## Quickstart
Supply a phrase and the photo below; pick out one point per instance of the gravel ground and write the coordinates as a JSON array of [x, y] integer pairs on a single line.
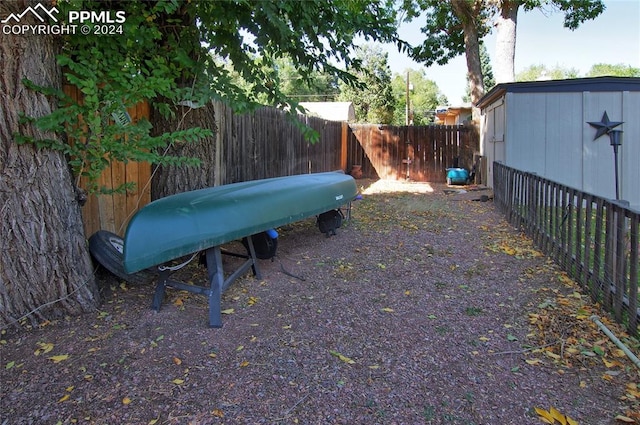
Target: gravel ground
[[425, 308]]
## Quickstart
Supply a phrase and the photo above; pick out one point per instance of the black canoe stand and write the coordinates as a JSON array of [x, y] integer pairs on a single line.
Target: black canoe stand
[[217, 283]]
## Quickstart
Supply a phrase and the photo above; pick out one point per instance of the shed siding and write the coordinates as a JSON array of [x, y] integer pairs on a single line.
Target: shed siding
[[629, 152], [525, 137], [563, 145]]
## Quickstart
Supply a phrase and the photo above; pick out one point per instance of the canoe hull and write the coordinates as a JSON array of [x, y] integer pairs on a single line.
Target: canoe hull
[[193, 221]]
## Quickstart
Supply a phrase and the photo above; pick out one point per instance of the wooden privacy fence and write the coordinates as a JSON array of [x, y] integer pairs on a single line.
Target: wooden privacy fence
[[595, 240], [419, 153], [266, 143], [112, 212], [252, 146]]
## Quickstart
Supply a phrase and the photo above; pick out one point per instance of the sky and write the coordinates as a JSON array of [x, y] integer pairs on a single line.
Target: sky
[[612, 38]]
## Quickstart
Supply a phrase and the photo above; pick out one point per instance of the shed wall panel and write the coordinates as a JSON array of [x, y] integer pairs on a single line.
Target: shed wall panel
[[525, 131], [563, 146], [630, 150]]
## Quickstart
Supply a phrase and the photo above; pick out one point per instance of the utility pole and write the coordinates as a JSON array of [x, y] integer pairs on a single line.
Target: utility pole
[[407, 107]]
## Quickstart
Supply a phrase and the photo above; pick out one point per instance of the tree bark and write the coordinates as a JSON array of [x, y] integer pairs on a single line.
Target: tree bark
[[45, 267], [506, 26], [465, 11], [171, 179]]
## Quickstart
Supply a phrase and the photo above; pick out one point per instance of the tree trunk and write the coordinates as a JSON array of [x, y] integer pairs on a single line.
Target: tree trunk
[[464, 10], [45, 267], [172, 179], [506, 26]]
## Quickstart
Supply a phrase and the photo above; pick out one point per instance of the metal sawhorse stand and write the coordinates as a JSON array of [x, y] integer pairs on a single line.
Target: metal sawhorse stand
[[217, 283]]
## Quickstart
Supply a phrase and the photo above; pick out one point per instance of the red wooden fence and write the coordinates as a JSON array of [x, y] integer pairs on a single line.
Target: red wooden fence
[[419, 153]]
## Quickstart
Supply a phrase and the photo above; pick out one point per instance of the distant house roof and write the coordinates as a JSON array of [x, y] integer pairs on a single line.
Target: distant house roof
[[594, 84], [332, 111], [453, 115]]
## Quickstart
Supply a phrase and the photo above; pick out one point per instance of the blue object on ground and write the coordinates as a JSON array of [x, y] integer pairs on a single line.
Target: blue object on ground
[[457, 176]]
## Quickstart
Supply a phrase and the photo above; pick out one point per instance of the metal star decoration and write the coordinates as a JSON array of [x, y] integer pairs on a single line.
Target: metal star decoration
[[604, 126]]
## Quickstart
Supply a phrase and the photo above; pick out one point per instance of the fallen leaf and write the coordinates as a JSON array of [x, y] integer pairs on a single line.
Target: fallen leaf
[[228, 311], [59, 358], [45, 347], [177, 361], [178, 381], [557, 415], [552, 355], [387, 310], [342, 357], [607, 377], [544, 415], [126, 400], [625, 419], [618, 353], [64, 398]]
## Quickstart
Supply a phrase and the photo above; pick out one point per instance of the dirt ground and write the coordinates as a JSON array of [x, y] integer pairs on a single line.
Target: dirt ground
[[425, 308]]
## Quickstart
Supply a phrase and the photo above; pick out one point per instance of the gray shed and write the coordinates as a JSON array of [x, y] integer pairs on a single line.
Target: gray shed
[[543, 127]]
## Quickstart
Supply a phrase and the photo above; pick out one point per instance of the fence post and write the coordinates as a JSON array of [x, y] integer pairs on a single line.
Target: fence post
[[599, 281], [619, 259], [343, 146], [609, 268], [532, 201]]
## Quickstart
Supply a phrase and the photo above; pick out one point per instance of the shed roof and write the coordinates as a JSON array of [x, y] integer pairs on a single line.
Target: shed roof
[[560, 86], [332, 111]]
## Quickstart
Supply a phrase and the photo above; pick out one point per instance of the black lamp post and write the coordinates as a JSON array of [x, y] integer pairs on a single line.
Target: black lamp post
[[615, 137]]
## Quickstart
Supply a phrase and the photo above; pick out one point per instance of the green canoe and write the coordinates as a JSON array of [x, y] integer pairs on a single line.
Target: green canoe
[[188, 222]]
